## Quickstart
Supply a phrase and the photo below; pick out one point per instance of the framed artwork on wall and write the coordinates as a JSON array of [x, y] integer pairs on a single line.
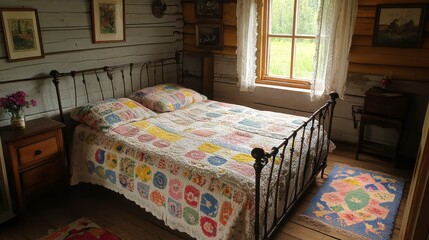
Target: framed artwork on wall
[[108, 21], [209, 35], [21, 32], [399, 25], [208, 9]]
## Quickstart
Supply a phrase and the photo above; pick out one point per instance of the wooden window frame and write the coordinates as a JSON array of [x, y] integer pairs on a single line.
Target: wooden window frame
[[263, 77]]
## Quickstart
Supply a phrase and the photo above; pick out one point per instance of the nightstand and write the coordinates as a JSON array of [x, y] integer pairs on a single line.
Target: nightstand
[[36, 157]]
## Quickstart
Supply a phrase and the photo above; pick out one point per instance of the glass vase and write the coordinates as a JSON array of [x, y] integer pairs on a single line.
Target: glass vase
[[18, 119]]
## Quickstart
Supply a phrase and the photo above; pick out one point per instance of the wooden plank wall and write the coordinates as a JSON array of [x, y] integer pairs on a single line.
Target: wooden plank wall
[[67, 40], [405, 63], [229, 21], [410, 69]]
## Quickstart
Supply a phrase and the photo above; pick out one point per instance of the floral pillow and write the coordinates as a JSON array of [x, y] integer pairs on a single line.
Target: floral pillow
[[166, 97], [107, 114]]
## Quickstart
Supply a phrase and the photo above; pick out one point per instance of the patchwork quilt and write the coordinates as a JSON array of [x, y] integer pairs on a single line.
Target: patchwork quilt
[[192, 167]]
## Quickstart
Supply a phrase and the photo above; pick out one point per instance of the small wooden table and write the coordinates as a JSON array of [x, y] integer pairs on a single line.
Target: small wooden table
[[383, 109], [36, 157]]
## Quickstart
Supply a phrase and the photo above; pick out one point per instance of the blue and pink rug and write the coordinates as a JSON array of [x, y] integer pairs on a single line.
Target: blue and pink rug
[[358, 203]]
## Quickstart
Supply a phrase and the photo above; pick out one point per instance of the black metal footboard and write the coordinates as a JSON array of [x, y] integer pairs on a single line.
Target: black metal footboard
[[292, 169]]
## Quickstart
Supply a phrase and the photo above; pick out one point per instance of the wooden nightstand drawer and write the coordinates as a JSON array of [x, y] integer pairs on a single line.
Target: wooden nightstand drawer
[[42, 174], [36, 151]]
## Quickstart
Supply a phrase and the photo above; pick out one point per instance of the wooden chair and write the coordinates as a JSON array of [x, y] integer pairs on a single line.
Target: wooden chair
[[386, 110]]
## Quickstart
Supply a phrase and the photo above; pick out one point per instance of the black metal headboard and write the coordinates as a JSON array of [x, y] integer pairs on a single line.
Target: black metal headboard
[[143, 69]]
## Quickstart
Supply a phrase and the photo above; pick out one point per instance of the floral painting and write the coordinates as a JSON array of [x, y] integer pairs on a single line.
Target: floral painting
[[107, 18], [22, 33]]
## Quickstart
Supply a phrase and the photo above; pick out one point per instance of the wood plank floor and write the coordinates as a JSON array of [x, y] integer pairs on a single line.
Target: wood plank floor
[[296, 228], [126, 219]]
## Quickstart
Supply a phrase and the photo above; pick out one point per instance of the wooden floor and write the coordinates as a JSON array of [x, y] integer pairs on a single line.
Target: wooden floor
[[126, 219]]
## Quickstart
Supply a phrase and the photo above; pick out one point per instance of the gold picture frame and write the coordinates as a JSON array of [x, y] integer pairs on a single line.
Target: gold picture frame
[[108, 21], [21, 32]]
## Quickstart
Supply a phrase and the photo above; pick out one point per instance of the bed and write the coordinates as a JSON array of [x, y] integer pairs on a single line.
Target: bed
[[211, 169]]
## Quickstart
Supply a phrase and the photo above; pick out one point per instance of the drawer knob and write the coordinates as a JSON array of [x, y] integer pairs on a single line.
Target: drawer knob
[[38, 152]]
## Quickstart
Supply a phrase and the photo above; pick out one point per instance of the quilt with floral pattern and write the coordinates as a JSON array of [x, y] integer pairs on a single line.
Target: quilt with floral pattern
[[191, 168]]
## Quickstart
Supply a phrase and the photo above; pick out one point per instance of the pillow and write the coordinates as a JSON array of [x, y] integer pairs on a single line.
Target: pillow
[[110, 113], [166, 97]]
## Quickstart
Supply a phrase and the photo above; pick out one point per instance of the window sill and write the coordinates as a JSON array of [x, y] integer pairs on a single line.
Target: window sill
[[291, 89]]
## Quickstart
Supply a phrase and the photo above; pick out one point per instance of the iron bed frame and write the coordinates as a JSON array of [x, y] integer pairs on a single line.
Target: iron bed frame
[[320, 123]]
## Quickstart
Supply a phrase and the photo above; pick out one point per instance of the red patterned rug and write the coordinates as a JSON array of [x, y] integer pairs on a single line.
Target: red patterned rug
[[81, 229]]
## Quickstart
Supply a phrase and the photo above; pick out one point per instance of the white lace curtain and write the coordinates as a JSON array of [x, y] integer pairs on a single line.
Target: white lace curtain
[[336, 27], [247, 33]]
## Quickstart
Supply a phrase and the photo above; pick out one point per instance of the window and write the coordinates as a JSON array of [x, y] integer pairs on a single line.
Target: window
[[288, 42]]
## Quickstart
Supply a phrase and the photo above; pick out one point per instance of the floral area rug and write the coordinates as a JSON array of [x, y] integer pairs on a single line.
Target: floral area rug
[[81, 229], [358, 203]]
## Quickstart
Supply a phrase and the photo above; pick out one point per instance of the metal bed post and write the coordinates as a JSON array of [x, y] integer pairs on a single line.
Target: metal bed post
[[177, 59], [131, 77], [260, 161], [55, 79], [332, 102]]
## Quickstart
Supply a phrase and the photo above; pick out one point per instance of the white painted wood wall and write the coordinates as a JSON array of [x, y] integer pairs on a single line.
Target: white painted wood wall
[[67, 41]]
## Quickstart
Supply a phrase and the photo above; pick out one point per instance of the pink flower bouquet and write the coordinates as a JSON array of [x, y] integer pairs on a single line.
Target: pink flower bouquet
[[14, 103]]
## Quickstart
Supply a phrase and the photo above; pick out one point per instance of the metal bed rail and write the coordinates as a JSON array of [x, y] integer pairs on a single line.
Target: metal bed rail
[[320, 123]]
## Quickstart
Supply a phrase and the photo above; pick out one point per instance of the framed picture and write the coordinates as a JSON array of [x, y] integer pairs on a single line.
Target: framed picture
[[108, 21], [21, 32], [209, 35], [399, 25], [208, 9]]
